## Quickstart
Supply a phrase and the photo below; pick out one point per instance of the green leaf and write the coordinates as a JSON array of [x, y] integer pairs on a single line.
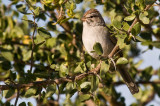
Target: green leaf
[[122, 60], [143, 18], [130, 18], [53, 66], [30, 104], [156, 89], [27, 55], [104, 68], [71, 88], [121, 40], [7, 55], [95, 82], [84, 97], [152, 43], [37, 11], [5, 74], [51, 89], [22, 104], [51, 42], [147, 73], [21, 8], [78, 69], [63, 70], [9, 93], [30, 92], [148, 2], [50, 60], [70, 5], [98, 48], [43, 32], [136, 29], [140, 39], [78, 1], [116, 24], [85, 86], [65, 20], [125, 26], [40, 40]]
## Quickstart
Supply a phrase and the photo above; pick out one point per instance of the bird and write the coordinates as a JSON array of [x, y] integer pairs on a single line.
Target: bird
[[96, 31]]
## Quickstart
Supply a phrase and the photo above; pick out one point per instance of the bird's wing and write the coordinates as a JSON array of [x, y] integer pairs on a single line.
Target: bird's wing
[[112, 38]]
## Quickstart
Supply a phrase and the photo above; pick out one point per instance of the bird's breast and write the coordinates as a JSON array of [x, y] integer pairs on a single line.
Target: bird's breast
[[97, 34]]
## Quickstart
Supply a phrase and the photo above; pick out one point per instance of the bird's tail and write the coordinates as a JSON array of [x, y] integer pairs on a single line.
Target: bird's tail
[[128, 80]]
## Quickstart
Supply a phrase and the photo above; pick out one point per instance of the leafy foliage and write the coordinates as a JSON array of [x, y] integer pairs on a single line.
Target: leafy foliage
[[45, 35]]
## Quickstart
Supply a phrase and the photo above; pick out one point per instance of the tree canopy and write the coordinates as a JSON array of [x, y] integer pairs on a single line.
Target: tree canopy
[[42, 55]]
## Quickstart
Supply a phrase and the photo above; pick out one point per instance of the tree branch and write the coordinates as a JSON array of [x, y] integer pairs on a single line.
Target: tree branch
[[57, 81], [138, 82], [62, 80]]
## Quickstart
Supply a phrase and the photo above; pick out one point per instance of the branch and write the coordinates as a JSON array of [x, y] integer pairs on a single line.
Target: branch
[[138, 82], [33, 43], [15, 104], [47, 82]]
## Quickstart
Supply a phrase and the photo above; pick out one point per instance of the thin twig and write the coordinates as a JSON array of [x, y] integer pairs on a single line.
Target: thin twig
[[138, 82], [58, 92], [33, 43], [15, 104], [62, 80]]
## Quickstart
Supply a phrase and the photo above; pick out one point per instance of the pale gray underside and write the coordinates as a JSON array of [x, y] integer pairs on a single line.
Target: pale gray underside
[[96, 34]]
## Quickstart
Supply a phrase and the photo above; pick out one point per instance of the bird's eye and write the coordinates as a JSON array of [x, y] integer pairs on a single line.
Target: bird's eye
[[91, 16]]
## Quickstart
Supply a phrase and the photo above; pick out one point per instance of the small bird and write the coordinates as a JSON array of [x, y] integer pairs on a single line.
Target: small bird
[[95, 31]]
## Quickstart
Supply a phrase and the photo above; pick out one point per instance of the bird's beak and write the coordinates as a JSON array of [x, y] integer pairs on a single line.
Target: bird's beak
[[83, 19]]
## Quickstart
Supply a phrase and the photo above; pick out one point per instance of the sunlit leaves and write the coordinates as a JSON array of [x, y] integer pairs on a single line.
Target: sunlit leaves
[[84, 97], [116, 23], [130, 18], [121, 41], [143, 18], [63, 70], [30, 92], [51, 42], [125, 26], [122, 60], [8, 55], [26, 55]]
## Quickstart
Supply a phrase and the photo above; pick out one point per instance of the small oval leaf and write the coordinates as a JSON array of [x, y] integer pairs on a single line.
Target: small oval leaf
[[98, 48], [122, 60], [43, 32], [130, 18]]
